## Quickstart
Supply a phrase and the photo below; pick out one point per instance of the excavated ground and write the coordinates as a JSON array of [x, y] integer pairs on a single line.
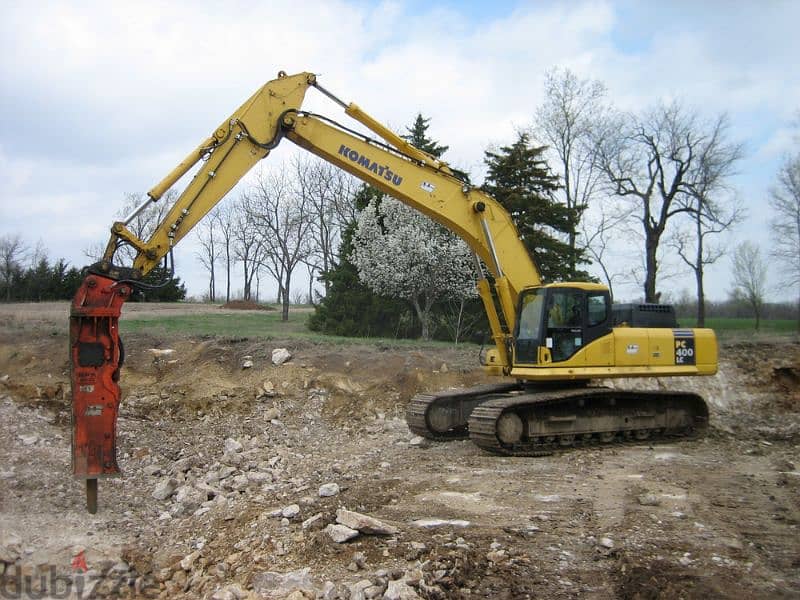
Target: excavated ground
[[231, 450]]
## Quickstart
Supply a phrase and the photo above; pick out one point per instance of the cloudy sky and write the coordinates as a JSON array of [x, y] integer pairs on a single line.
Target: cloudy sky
[[104, 98]]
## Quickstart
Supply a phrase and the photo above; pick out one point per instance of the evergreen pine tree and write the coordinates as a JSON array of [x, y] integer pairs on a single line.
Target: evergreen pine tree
[[520, 179], [350, 308], [417, 136]]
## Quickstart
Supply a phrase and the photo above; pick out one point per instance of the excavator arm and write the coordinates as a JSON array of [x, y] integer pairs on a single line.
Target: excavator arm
[[274, 111]]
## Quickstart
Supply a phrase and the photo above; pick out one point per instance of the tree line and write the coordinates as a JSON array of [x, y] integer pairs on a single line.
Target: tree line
[[28, 274], [581, 181], [643, 196]]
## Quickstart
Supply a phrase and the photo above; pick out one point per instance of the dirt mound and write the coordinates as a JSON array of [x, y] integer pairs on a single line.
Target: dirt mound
[[246, 305]]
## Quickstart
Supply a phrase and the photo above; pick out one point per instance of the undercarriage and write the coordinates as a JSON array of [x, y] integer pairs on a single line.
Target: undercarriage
[[520, 420]]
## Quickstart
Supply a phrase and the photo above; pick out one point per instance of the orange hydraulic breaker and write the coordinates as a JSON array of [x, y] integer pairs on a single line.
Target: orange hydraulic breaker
[[96, 355]]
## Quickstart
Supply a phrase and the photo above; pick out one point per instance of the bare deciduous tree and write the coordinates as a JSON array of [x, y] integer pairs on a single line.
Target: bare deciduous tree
[[279, 210], [568, 122], [749, 278], [598, 232], [711, 213], [652, 161], [248, 243], [223, 218], [12, 252], [785, 201], [209, 253], [329, 195]]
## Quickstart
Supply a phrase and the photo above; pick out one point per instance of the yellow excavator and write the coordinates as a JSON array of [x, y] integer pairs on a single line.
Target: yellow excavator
[[550, 341]]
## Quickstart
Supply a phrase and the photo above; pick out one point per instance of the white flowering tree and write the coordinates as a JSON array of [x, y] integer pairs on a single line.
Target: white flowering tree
[[400, 252]]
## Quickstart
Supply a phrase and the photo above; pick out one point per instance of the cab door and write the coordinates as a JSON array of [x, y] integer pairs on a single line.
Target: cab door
[[564, 314]]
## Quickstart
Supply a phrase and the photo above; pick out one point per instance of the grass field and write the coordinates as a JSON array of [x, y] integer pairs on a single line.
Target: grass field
[[245, 324], [728, 326], [250, 324], [268, 324]]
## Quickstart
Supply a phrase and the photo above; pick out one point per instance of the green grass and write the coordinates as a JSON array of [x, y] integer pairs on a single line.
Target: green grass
[[736, 326], [268, 324], [264, 324]]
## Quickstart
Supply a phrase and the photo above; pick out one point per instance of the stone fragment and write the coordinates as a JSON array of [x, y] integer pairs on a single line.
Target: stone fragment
[[280, 356], [271, 584], [165, 489], [188, 561], [357, 589], [340, 533], [272, 413], [417, 440], [161, 352], [291, 511], [400, 590], [364, 523], [607, 542], [328, 591], [430, 523], [8, 555], [189, 498], [649, 500], [152, 470], [328, 489], [267, 389], [230, 592], [240, 483], [233, 446], [313, 522]]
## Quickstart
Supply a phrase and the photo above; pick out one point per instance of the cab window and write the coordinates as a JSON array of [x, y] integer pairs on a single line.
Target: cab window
[[597, 309], [564, 334]]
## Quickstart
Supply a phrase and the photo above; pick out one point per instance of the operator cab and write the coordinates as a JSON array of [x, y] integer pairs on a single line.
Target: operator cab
[[561, 319]]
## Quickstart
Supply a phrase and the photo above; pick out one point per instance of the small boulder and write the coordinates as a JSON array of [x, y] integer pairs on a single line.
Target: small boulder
[[161, 352], [232, 446], [270, 584], [398, 589], [340, 533], [649, 500], [363, 523], [280, 356], [189, 498], [328, 489], [165, 489]]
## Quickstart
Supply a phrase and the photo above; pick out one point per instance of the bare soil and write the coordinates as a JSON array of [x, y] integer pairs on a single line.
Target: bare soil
[[712, 517]]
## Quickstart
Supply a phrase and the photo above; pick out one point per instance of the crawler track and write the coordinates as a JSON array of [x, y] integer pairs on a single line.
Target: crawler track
[[443, 415], [539, 423]]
